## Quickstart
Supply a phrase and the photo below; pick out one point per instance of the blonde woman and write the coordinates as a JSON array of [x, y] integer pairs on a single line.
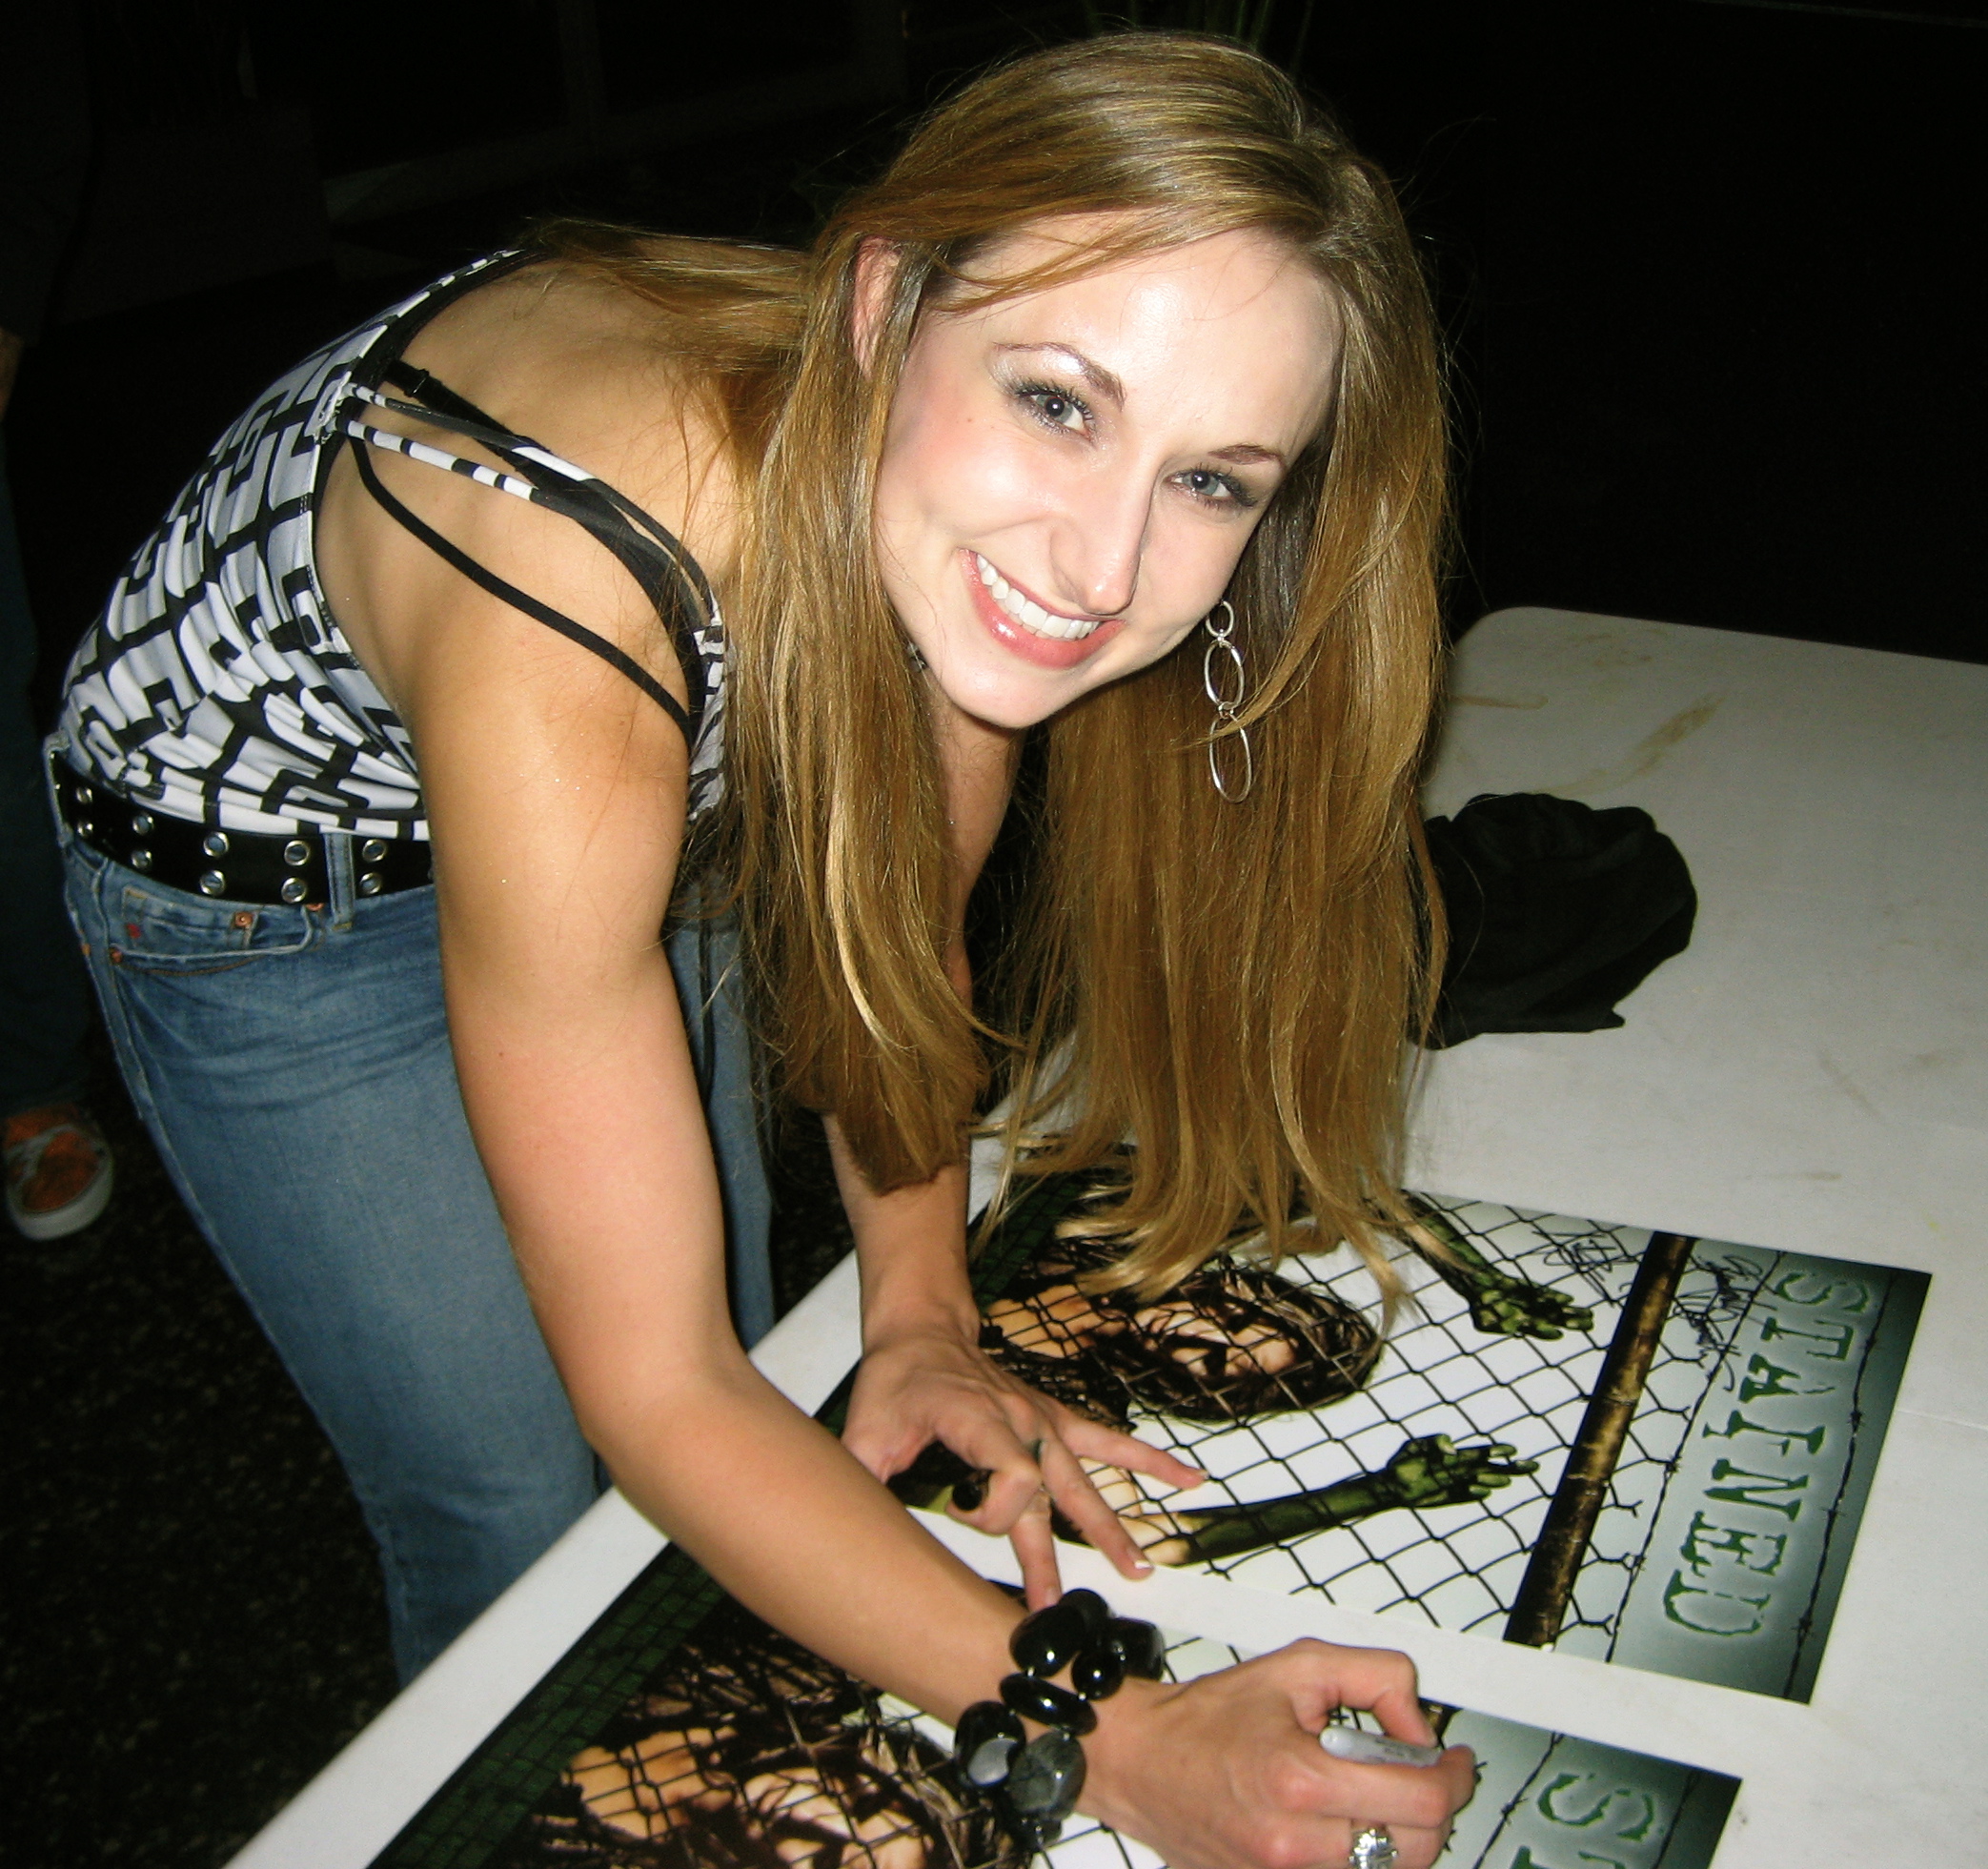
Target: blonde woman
[[1109, 414]]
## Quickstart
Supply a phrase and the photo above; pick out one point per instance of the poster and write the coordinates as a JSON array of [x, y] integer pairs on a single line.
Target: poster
[[1628, 1445]]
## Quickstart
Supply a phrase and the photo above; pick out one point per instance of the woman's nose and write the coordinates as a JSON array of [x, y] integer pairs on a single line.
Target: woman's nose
[[1100, 544]]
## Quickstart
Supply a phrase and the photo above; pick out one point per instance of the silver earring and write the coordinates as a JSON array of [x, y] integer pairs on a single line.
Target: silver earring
[[1227, 687]]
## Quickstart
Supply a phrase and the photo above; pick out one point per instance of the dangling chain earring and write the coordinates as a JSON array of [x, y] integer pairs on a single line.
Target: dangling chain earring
[[1214, 680]]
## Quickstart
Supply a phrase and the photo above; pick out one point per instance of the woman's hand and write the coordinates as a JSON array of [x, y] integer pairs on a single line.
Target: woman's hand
[[929, 1383], [1226, 1772]]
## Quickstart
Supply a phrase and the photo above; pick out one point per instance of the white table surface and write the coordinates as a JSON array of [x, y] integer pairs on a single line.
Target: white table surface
[[1811, 1074]]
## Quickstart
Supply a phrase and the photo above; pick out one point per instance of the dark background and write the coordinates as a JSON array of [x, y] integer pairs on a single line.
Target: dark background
[[1700, 265]]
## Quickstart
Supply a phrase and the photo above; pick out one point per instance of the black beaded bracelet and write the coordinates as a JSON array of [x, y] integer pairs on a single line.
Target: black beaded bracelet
[[1035, 1784]]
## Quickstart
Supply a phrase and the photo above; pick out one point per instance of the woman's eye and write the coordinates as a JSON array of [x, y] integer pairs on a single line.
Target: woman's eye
[[1056, 407], [1217, 489]]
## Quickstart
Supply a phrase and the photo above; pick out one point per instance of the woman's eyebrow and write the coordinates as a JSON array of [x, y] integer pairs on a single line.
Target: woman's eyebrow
[[1246, 453], [1103, 380]]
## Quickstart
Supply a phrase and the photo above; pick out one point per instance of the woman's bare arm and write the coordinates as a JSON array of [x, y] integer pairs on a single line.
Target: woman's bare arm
[[555, 792]]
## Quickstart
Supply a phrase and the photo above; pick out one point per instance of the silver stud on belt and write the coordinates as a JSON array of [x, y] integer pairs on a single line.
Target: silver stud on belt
[[297, 853], [213, 882], [372, 851]]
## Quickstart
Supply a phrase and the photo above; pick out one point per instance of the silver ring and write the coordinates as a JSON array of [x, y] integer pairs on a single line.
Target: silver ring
[[1372, 1848]]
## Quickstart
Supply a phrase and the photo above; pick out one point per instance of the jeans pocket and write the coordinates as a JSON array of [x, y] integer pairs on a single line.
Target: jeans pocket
[[154, 929]]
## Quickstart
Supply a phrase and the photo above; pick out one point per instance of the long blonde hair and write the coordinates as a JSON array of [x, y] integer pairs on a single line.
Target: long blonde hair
[[1231, 984]]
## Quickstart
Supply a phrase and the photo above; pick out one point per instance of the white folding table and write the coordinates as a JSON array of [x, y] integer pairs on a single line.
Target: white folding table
[[1810, 1075]]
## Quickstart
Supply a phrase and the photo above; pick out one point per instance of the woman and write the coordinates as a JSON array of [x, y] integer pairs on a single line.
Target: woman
[[1123, 342]]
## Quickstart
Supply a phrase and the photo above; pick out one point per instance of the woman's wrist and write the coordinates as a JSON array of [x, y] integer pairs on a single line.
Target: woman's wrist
[[910, 1248], [916, 1289], [1115, 1753], [1027, 1750], [907, 1315]]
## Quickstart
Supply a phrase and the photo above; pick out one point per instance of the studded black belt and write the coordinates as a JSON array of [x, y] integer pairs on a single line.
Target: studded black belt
[[230, 865]]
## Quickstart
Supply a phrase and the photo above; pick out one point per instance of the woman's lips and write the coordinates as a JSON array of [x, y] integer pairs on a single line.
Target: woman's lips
[[1044, 651]]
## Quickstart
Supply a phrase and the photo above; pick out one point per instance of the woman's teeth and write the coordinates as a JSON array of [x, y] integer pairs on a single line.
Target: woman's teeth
[[1028, 613]]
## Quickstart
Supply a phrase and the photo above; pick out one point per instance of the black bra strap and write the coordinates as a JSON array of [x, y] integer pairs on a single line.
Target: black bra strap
[[652, 555], [436, 402], [518, 599], [413, 381]]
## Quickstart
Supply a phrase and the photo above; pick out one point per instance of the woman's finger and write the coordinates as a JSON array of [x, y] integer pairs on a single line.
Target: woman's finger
[[1071, 1489], [1008, 1468], [1035, 1549], [1327, 1842], [1320, 1676], [1415, 1846], [1413, 1803], [1094, 1441], [1402, 1796], [1016, 1488], [1310, 1843]]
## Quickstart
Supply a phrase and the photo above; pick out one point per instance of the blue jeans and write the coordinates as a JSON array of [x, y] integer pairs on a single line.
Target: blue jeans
[[293, 1068]]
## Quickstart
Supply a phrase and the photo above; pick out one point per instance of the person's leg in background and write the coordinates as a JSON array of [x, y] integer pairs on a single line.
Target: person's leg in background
[[58, 1170]]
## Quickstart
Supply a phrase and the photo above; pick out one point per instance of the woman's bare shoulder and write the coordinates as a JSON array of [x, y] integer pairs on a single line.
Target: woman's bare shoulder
[[583, 367], [576, 367]]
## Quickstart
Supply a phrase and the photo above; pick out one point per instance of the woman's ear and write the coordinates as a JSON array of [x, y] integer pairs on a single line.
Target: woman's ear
[[877, 263]]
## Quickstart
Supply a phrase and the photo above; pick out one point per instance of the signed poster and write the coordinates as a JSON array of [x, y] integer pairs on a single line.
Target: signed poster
[[1635, 1445]]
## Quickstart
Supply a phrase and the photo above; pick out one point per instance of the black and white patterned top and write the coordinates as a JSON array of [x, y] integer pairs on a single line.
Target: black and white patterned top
[[217, 686]]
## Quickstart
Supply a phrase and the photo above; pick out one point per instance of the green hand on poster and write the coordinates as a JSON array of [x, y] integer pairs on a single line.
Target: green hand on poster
[[1424, 1473], [1501, 1303]]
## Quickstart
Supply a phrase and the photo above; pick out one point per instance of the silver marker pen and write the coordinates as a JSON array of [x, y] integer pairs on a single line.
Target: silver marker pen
[[1359, 1747]]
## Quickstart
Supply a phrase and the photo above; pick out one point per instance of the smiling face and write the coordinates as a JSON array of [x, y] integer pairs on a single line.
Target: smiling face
[[1069, 476]]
